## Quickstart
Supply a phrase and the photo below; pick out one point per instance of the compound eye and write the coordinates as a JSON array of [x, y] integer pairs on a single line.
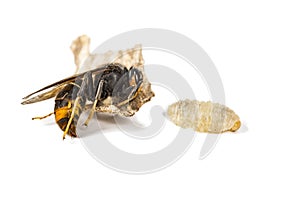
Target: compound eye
[[127, 86]]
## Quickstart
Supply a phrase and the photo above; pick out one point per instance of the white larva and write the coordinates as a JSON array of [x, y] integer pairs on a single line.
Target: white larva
[[203, 116]]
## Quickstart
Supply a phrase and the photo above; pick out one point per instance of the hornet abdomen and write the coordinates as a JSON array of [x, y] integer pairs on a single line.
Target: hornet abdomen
[[64, 105]]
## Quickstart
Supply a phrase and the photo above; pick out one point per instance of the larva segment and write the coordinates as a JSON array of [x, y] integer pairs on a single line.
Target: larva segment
[[203, 116]]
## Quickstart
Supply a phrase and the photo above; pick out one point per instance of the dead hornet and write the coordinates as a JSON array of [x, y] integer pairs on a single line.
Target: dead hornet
[[112, 81]]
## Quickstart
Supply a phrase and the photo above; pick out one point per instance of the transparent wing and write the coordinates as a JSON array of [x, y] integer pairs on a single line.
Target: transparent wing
[[51, 90]]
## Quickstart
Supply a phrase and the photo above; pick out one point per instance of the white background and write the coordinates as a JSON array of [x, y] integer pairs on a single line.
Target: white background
[[255, 46]]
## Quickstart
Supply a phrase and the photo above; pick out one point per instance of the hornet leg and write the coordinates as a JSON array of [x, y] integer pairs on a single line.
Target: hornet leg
[[43, 117], [80, 100], [98, 97]]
